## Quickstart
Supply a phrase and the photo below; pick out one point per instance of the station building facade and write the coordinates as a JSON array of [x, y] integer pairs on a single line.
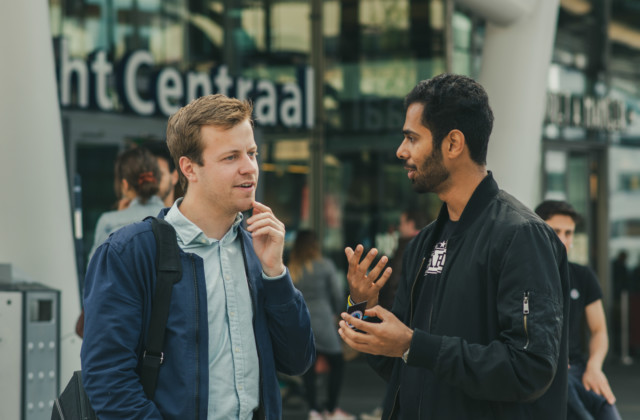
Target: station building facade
[[327, 79]]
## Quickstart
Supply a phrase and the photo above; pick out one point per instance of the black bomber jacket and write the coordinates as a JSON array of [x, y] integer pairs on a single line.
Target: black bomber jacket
[[494, 345]]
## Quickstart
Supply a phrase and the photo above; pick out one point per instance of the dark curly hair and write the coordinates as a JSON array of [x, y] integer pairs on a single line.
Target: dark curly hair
[[549, 208], [455, 102]]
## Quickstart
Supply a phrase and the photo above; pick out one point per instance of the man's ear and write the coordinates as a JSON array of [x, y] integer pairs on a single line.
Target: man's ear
[[188, 169], [124, 187], [454, 144], [174, 177]]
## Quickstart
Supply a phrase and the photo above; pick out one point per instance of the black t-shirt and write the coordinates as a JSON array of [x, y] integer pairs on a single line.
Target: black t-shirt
[[432, 274], [584, 290]]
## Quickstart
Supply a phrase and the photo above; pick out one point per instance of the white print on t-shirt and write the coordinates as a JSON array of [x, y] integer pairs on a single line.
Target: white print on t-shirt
[[436, 262], [575, 294]]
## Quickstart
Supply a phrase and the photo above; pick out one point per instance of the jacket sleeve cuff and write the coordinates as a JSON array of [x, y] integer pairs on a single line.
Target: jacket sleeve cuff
[[264, 275], [424, 349], [279, 290]]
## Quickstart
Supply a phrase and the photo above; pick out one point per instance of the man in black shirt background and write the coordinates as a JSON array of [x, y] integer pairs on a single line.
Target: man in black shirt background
[[589, 388]]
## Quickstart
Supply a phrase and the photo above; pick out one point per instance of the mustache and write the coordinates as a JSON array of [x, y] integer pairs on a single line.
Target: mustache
[[409, 167]]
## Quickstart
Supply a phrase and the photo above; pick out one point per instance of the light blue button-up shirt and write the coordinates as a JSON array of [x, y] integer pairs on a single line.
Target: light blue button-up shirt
[[234, 375]]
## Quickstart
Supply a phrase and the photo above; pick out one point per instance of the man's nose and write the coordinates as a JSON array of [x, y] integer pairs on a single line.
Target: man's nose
[[249, 164], [401, 152]]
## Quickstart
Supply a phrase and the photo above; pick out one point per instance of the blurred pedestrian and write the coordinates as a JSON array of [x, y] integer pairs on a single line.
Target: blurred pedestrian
[[411, 221], [136, 177], [589, 389], [620, 273], [620, 276], [136, 180], [479, 325], [168, 186], [317, 278]]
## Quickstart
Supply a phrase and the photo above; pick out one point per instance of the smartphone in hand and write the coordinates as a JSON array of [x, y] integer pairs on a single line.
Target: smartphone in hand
[[357, 311]]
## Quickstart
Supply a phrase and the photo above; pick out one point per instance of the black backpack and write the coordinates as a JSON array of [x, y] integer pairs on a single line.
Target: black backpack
[[73, 404]]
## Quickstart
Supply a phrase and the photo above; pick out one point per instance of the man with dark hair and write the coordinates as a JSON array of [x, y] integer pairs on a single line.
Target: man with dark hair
[[234, 318], [589, 390], [478, 328]]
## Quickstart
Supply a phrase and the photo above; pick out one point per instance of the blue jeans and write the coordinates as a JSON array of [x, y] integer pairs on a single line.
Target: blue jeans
[[586, 405]]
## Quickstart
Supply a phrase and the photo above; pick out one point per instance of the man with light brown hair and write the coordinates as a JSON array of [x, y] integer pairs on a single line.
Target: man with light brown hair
[[235, 317]]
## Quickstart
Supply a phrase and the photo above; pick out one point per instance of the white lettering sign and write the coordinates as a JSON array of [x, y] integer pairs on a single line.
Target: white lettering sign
[[146, 89]]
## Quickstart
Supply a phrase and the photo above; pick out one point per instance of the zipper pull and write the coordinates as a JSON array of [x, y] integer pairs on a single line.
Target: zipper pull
[[525, 303]]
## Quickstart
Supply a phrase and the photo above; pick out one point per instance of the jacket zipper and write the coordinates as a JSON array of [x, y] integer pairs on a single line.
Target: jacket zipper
[[413, 288], [393, 407], [195, 285], [525, 313]]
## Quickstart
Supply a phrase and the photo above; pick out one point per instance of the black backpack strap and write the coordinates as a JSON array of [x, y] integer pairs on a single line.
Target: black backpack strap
[[169, 271]]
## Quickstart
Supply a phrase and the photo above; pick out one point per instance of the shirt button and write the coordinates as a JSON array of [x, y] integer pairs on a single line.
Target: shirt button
[[236, 349], [240, 387]]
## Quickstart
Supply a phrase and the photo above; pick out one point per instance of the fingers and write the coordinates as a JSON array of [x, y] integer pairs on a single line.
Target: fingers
[[260, 208], [382, 279], [357, 322], [608, 394], [604, 389], [367, 260], [353, 257], [361, 267], [348, 252], [355, 340], [600, 385], [377, 311], [375, 271], [264, 218], [389, 337]]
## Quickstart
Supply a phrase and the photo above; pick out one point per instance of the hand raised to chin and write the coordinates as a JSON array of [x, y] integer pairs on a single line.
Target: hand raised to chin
[[268, 239]]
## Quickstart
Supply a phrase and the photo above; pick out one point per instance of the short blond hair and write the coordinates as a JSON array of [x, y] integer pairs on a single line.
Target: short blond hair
[[183, 130]]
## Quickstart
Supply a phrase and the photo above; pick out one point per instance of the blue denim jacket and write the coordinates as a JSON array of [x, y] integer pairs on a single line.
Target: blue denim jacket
[[119, 289]]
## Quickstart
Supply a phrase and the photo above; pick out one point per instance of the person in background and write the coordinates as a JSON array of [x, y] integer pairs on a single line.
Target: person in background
[[411, 221], [136, 176], [317, 278], [589, 390], [235, 318], [479, 324], [168, 186]]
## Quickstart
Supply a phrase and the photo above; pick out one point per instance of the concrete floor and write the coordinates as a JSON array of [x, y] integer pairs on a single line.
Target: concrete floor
[[363, 390]]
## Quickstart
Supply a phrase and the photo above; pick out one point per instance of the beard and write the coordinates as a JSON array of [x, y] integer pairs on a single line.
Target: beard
[[431, 175]]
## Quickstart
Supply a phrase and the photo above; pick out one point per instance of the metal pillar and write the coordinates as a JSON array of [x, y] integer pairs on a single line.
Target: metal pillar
[[515, 62]]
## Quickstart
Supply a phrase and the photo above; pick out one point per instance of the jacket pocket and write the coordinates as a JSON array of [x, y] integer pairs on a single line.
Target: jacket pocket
[[541, 320]]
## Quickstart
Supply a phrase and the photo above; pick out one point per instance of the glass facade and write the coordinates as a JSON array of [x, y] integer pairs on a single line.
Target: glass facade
[[624, 157], [124, 66], [591, 140]]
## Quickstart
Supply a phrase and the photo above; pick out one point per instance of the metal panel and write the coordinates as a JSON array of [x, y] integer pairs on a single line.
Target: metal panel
[[11, 334]]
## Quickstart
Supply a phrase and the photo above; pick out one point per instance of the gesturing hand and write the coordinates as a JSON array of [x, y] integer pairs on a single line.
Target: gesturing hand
[[388, 338], [362, 285], [268, 239]]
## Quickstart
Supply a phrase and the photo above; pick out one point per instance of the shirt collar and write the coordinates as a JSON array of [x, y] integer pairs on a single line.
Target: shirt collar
[[190, 235]]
